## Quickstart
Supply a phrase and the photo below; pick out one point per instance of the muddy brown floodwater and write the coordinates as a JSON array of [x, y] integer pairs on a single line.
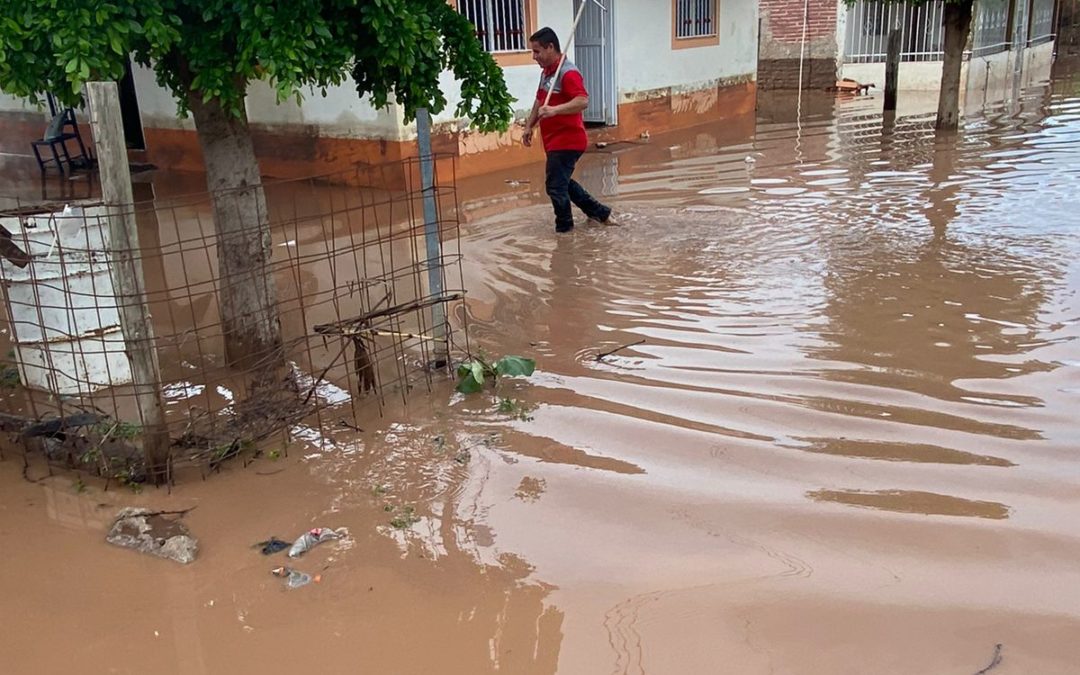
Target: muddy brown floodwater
[[849, 442]]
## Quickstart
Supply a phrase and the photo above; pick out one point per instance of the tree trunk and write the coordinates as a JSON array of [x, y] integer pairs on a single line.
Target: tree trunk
[[957, 20], [247, 294]]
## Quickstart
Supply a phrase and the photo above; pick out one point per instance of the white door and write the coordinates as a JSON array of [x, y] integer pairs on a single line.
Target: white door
[[594, 54]]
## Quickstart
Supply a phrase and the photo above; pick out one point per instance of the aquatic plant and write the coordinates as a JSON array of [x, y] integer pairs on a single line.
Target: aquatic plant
[[473, 374]]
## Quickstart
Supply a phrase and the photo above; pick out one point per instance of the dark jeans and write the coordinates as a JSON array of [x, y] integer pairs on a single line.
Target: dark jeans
[[564, 190]]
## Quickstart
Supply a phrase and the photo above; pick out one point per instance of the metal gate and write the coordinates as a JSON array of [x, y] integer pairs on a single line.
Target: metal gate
[[594, 55], [869, 22]]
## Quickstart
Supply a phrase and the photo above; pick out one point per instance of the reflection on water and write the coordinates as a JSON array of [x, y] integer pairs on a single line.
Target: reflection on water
[[822, 312], [898, 452], [390, 610], [889, 274], [907, 501]]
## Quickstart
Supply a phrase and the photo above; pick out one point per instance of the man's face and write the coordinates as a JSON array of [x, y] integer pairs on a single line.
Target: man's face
[[544, 56]]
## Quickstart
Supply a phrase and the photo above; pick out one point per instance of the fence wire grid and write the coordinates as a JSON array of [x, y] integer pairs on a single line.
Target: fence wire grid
[[356, 293]]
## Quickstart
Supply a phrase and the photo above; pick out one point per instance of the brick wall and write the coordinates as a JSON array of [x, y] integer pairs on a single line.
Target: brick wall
[[785, 20], [784, 73], [781, 42]]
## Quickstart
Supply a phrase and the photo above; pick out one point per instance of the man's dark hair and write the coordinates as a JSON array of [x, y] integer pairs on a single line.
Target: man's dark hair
[[545, 36]]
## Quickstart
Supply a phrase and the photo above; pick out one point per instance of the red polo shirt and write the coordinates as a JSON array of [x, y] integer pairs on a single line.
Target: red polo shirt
[[563, 132]]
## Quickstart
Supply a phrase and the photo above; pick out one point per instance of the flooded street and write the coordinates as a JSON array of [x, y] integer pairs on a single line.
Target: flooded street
[[838, 434]]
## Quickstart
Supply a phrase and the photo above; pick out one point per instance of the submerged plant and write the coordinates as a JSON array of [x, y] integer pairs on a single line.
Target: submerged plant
[[472, 375], [118, 429], [516, 409], [405, 519], [9, 377]]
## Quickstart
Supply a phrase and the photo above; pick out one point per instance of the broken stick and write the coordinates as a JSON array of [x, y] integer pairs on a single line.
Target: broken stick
[[390, 333], [619, 349], [179, 514], [341, 327], [993, 662]]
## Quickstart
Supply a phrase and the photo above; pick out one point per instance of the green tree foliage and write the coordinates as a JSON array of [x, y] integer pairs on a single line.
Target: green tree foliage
[[214, 48], [207, 52]]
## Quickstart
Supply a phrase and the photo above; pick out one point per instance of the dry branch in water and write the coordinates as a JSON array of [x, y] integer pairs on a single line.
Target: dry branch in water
[[993, 662], [358, 322], [619, 349]]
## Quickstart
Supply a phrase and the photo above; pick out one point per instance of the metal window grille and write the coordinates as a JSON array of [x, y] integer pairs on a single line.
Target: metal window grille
[[869, 24], [695, 18], [991, 27], [922, 34], [1042, 21], [500, 24]]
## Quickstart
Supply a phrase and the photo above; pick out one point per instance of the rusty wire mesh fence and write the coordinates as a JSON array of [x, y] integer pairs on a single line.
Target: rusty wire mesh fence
[[356, 291]]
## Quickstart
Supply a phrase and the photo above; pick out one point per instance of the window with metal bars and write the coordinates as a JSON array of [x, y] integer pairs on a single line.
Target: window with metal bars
[[868, 24], [1041, 28], [500, 24], [695, 18]]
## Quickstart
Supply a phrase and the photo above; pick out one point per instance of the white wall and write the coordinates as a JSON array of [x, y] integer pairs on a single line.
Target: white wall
[[521, 81], [990, 79], [913, 76], [1038, 62], [841, 30], [9, 103], [340, 114], [157, 106], [646, 60], [987, 78]]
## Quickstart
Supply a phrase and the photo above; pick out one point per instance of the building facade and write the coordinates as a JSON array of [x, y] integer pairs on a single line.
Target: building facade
[[1010, 39], [649, 65], [811, 43], [798, 44]]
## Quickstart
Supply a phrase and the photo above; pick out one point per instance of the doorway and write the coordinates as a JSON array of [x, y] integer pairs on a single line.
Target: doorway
[[129, 110], [594, 54]]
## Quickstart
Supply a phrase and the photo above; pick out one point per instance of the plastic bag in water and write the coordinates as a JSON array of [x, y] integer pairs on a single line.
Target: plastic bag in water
[[294, 578], [272, 546], [311, 538]]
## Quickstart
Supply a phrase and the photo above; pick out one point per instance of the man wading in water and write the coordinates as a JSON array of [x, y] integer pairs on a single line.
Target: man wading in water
[[563, 131]]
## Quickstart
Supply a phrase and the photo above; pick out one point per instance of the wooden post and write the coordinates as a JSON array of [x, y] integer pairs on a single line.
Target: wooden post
[[892, 69], [126, 271]]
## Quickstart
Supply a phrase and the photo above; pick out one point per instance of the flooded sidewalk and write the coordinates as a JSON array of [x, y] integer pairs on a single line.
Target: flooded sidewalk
[[836, 434]]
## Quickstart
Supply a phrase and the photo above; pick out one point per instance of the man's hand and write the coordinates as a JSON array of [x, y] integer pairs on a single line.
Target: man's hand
[[526, 138], [546, 111]]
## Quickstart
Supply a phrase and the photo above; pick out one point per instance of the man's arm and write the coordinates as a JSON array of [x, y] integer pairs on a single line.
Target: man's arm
[[576, 105], [530, 122], [573, 87]]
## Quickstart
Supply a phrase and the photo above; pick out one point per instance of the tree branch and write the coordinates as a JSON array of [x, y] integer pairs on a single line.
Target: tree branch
[[993, 662], [619, 349], [345, 326]]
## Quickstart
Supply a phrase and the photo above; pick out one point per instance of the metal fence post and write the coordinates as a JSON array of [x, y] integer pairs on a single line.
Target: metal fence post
[[434, 260]]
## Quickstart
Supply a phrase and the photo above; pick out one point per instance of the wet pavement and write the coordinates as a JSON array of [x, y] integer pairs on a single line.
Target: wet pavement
[[845, 441]]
